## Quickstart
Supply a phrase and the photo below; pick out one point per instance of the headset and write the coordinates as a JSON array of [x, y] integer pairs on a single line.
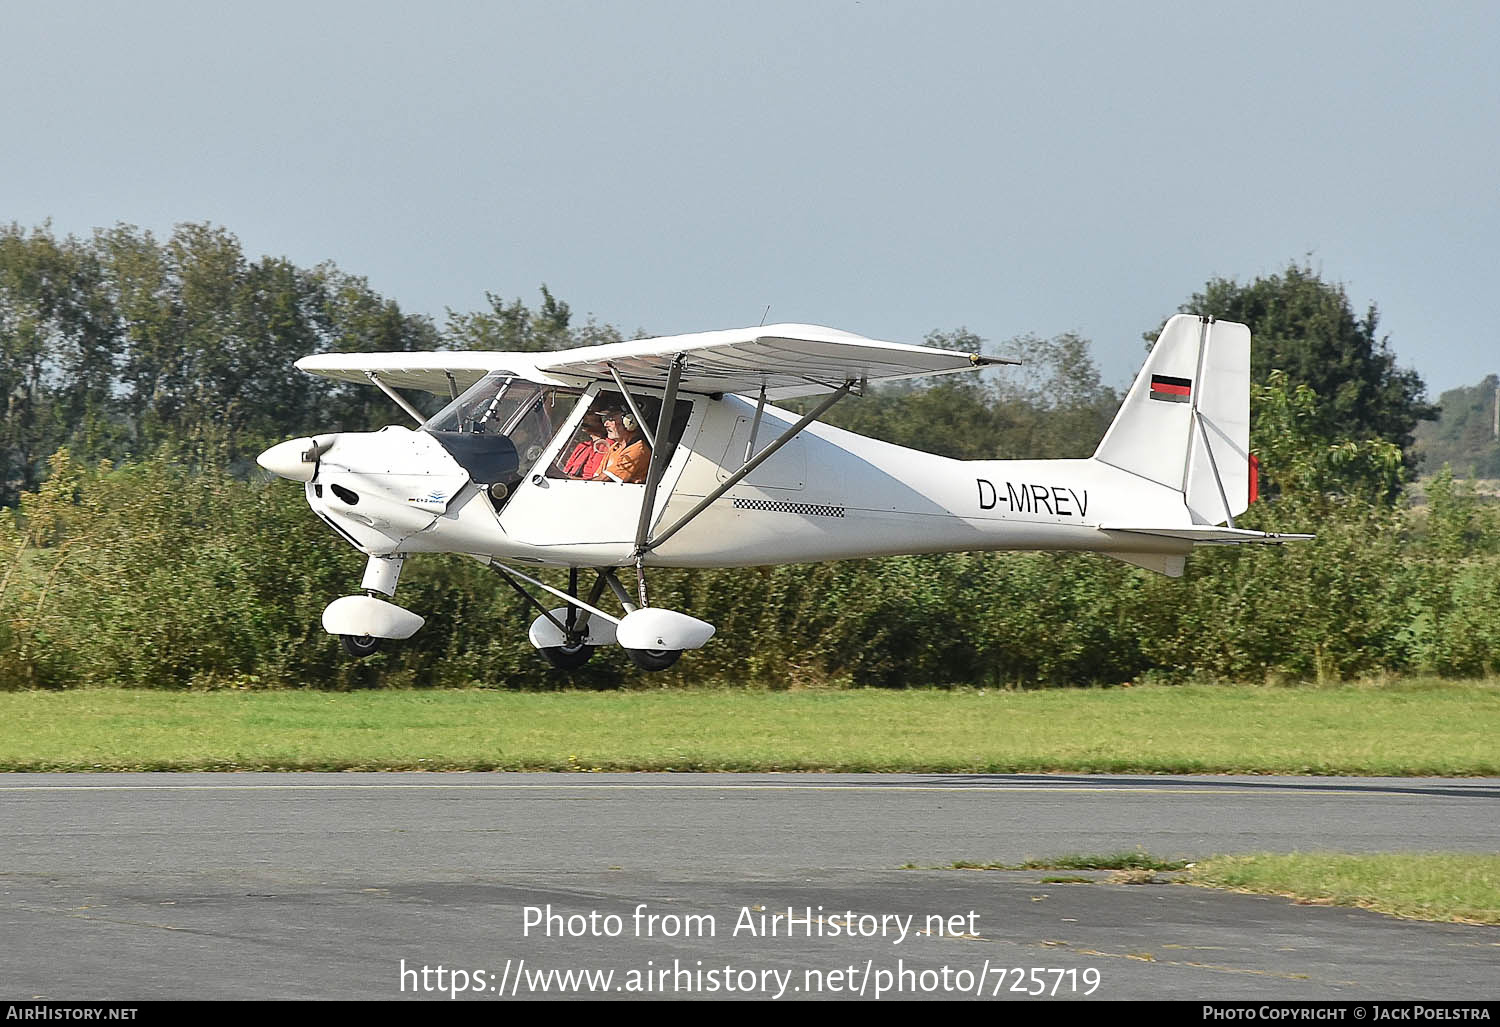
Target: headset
[[627, 418]]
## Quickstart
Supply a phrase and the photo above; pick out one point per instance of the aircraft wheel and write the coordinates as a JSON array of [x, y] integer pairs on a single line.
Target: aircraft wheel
[[360, 646], [563, 657], [654, 659]]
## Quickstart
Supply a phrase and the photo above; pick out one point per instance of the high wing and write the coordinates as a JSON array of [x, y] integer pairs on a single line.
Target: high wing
[[440, 372], [787, 360]]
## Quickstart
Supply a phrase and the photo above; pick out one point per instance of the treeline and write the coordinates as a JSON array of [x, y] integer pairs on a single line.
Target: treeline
[[139, 549], [121, 343], [1464, 433]]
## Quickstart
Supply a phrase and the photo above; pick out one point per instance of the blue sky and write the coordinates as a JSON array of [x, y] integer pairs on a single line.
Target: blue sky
[[886, 168]]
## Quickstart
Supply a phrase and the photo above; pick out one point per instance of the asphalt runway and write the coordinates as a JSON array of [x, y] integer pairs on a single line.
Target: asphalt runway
[[360, 886]]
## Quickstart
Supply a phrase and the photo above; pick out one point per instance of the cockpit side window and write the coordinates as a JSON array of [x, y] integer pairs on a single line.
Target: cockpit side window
[[531, 427], [610, 446]]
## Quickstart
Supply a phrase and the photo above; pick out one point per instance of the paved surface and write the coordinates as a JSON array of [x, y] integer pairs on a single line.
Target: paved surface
[[320, 886]]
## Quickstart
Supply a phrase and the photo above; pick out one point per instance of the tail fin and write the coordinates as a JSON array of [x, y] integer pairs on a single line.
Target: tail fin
[[1185, 423]]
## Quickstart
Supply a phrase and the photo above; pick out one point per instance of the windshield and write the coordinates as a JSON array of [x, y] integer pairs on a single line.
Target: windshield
[[486, 406], [503, 424]]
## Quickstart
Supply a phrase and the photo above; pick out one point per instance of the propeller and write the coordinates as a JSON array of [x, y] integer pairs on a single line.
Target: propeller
[[296, 459]]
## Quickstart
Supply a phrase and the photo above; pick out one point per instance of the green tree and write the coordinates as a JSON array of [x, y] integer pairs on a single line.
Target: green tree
[[1464, 433], [1057, 403], [1305, 326], [1051, 406], [56, 354], [1310, 474], [211, 339], [356, 319], [512, 327]]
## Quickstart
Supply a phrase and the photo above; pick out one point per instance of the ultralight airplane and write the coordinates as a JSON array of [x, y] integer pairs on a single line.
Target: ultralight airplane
[[667, 453]]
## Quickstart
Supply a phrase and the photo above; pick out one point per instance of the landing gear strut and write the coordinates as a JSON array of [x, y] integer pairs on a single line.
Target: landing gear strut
[[381, 575], [567, 637], [575, 651]]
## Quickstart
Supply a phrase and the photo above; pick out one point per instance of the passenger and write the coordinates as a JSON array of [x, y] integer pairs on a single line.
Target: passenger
[[629, 456], [591, 449]]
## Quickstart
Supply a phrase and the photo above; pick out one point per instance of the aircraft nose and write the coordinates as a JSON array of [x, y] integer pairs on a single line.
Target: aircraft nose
[[296, 459]]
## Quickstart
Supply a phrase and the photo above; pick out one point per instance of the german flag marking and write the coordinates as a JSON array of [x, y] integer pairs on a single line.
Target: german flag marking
[[1171, 390]]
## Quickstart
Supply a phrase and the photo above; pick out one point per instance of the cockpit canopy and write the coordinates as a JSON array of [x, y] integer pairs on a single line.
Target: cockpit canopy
[[499, 427]]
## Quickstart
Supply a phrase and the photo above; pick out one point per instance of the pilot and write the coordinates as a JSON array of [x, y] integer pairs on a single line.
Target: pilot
[[629, 456], [590, 450]]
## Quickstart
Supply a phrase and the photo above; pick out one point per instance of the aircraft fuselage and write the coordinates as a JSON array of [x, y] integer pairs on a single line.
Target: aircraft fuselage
[[826, 494]]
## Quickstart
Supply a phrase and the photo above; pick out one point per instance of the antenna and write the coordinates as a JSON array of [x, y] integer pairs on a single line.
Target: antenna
[[763, 316]]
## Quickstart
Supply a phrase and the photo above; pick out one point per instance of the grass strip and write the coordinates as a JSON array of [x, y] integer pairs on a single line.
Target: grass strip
[[1111, 861], [1456, 887], [1461, 887], [1413, 727]]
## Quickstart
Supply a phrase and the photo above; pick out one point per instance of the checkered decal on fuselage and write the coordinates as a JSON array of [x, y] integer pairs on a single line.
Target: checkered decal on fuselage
[[806, 509]]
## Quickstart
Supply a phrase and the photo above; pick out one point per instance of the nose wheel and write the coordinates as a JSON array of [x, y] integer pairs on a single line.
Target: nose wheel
[[363, 622]]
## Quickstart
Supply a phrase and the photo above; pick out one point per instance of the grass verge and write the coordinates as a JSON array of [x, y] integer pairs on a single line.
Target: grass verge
[[1419, 727], [1443, 886], [1461, 887]]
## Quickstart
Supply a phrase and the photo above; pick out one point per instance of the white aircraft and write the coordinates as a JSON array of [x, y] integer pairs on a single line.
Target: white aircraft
[[692, 467]]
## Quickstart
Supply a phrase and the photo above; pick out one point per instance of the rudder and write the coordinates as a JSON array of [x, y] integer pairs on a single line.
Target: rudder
[[1185, 423]]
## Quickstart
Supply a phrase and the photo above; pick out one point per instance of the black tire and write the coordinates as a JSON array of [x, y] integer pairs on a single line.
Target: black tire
[[654, 659], [564, 657], [360, 646]]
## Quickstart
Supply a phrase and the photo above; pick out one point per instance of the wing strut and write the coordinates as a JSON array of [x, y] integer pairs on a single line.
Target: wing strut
[[630, 401], [750, 465], [658, 464], [760, 408], [395, 396]]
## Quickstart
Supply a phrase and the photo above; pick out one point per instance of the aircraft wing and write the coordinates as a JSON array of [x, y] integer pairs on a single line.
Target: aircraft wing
[[426, 372], [788, 360]]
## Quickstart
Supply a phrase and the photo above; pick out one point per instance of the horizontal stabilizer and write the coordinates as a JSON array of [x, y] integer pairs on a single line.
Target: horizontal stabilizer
[[1205, 534]]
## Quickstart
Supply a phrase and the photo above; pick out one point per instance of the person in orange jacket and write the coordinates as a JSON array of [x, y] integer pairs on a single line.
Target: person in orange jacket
[[629, 455]]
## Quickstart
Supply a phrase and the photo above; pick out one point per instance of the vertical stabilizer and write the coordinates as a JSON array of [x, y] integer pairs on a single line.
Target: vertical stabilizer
[[1185, 423]]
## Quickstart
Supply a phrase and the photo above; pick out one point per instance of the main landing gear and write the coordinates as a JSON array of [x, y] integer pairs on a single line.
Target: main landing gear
[[566, 637], [567, 657], [653, 659]]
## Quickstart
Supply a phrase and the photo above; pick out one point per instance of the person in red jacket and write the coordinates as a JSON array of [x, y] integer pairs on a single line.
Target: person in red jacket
[[589, 453]]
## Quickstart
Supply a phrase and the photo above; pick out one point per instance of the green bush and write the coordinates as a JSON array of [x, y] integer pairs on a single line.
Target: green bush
[[169, 573]]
